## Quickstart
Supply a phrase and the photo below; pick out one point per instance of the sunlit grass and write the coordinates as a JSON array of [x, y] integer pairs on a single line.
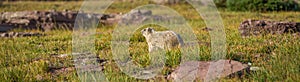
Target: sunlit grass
[[276, 54]]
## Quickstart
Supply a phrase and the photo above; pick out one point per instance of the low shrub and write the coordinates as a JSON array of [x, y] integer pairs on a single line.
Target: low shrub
[[220, 3], [262, 5]]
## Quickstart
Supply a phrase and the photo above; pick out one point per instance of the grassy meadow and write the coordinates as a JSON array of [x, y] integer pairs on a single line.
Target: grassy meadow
[[30, 58]]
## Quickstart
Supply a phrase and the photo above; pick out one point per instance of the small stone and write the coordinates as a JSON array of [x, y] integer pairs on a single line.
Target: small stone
[[249, 63], [62, 55], [255, 68]]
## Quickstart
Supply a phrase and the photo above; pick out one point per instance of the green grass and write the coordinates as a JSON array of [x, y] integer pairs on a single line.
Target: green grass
[[278, 53]]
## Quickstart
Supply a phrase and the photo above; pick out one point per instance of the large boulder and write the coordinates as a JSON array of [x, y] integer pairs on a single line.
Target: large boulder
[[189, 71]]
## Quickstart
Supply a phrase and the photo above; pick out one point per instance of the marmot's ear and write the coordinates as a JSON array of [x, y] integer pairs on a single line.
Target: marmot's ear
[[150, 30], [143, 30]]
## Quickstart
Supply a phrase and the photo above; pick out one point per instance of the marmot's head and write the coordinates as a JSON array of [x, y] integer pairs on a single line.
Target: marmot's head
[[147, 31]]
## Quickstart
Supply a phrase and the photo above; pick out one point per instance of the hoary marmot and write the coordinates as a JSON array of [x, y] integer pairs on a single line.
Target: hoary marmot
[[161, 39]]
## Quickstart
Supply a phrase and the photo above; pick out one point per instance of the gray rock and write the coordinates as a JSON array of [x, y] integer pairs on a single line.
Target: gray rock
[[110, 19], [47, 26], [258, 27], [19, 34], [85, 62], [141, 12], [167, 1], [19, 21], [48, 20], [140, 16], [255, 68]]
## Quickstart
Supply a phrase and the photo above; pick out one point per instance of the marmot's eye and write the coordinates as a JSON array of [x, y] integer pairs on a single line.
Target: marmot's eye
[[149, 29]]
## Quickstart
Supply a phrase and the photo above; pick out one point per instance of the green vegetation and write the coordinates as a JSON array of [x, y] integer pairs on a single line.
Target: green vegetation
[[259, 5], [29, 58]]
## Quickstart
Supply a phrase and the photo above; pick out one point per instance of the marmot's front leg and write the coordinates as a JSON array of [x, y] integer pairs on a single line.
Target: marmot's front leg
[[154, 48], [150, 48]]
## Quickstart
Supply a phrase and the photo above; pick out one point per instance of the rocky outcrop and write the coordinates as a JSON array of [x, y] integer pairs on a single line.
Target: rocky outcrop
[[47, 20], [20, 34], [85, 62], [257, 27], [141, 16]]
